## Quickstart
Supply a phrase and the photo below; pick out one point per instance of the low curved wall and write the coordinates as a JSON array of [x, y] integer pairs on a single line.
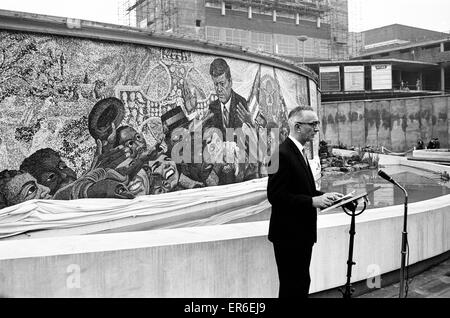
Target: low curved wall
[[440, 155], [234, 260]]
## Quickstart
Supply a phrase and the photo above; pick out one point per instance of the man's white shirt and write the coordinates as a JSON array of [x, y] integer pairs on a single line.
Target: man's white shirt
[[300, 147], [228, 106]]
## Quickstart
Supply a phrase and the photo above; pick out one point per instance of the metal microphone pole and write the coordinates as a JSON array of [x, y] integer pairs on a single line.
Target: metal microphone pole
[[382, 174], [404, 243]]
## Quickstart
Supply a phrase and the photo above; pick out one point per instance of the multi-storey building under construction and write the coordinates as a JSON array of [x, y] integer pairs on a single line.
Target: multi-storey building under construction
[[269, 26]]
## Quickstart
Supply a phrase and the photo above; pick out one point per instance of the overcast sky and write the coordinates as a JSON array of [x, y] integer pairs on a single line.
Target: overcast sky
[[427, 14], [364, 14]]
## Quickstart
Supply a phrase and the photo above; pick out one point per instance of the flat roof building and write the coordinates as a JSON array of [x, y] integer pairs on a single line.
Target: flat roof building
[[396, 35], [380, 78], [388, 62]]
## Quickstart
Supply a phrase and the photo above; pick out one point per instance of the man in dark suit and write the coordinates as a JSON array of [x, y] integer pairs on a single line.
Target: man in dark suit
[[292, 192], [228, 111]]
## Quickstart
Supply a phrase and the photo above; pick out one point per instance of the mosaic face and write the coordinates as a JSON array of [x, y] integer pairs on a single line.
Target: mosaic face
[[52, 172], [140, 184], [24, 187], [167, 169], [130, 138], [109, 188], [223, 87]]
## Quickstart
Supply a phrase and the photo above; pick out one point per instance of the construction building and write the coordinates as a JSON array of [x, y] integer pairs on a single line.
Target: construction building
[[297, 29]]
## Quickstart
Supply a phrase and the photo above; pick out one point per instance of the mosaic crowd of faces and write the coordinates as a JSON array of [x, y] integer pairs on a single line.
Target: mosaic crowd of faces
[[50, 84]]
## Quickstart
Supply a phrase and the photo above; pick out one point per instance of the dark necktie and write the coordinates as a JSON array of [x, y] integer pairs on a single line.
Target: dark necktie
[[225, 116], [306, 158]]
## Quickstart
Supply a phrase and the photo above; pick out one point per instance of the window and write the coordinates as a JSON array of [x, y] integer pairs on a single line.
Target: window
[[286, 44], [213, 34], [238, 37], [447, 46], [262, 42]]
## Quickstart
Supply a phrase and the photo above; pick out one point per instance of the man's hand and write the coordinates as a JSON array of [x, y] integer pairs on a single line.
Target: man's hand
[[326, 200], [244, 115], [108, 144], [335, 195], [110, 159]]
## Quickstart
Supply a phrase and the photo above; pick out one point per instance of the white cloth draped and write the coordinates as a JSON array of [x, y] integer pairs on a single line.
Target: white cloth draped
[[205, 206]]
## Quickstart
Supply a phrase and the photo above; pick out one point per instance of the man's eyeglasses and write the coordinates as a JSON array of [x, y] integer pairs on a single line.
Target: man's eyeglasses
[[313, 124]]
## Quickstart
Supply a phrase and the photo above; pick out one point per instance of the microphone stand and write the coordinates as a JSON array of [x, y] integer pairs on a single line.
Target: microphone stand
[[349, 205], [383, 175], [347, 291], [404, 243]]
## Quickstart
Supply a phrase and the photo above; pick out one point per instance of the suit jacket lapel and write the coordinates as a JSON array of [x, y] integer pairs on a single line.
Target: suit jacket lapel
[[217, 111], [300, 158], [231, 120]]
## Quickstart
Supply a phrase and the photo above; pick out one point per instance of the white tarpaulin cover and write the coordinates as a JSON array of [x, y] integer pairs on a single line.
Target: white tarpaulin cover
[[206, 206]]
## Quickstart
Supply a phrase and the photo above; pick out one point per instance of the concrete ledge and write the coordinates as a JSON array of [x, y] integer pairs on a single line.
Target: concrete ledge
[[387, 279], [436, 155], [234, 260]]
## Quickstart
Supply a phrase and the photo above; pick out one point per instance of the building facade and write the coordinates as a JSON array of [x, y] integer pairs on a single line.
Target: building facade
[[436, 52], [269, 26], [397, 34], [389, 37]]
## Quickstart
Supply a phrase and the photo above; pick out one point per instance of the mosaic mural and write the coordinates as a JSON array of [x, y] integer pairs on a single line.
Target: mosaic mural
[[91, 119]]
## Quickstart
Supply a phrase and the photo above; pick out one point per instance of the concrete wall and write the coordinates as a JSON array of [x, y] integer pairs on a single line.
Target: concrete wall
[[395, 124], [234, 260]]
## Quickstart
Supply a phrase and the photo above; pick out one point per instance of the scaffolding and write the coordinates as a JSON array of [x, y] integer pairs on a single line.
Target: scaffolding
[[337, 18], [161, 15], [155, 15], [125, 16], [185, 17], [316, 8]]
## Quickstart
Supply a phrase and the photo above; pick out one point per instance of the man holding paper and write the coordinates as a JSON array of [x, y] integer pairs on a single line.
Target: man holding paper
[[292, 192]]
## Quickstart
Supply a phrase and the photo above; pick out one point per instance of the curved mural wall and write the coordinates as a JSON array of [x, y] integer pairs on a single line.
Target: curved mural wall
[[84, 118]]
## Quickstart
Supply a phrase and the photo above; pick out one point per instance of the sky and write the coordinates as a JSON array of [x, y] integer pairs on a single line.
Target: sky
[[427, 14], [94, 10], [363, 14]]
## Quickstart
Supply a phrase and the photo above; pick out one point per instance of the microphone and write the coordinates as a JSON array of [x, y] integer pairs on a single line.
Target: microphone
[[386, 177], [403, 273]]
